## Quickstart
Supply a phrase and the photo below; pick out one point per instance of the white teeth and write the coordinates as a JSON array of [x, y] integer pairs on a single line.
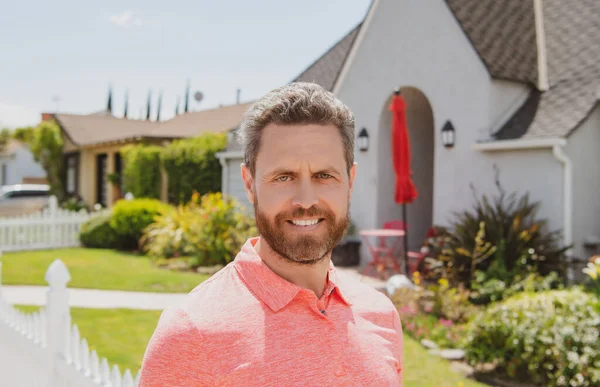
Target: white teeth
[[305, 222]]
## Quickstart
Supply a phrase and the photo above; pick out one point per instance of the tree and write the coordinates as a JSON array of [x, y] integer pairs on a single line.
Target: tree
[[46, 144], [5, 136]]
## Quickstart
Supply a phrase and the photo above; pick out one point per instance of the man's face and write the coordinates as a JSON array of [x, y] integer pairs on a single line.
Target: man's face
[[301, 190]]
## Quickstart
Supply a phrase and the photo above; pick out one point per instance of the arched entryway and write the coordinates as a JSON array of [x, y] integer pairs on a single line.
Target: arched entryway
[[419, 117]]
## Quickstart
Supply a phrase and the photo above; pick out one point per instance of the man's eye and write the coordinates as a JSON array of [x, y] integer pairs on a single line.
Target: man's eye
[[283, 179], [324, 176]]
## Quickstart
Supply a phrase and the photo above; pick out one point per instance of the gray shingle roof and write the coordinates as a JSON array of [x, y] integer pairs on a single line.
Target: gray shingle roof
[[503, 33], [325, 70]]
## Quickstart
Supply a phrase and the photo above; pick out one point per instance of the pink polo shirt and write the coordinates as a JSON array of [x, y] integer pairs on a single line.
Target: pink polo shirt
[[246, 326]]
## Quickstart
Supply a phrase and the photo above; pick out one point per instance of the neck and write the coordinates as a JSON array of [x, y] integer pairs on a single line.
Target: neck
[[311, 277]]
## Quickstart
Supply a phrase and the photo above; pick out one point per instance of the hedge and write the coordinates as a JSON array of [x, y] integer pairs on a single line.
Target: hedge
[[142, 170], [192, 166]]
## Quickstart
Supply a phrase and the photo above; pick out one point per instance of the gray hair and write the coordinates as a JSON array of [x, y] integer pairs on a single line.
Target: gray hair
[[293, 104]]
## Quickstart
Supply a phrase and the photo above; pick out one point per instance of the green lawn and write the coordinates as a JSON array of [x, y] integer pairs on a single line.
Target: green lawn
[[97, 269], [125, 334]]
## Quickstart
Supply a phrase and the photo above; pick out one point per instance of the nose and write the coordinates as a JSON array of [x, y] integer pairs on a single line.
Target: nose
[[305, 195]]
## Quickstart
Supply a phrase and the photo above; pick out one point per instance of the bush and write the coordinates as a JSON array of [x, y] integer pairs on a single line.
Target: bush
[[131, 217], [192, 166], [211, 229], [486, 290], [551, 338], [142, 171], [98, 233], [501, 237], [439, 300]]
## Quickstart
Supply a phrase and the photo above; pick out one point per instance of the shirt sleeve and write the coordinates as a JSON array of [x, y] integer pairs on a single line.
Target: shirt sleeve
[[174, 356], [399, 345]]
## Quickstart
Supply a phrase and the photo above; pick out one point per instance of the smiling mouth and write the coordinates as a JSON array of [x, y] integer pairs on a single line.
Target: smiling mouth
[[305, 223]]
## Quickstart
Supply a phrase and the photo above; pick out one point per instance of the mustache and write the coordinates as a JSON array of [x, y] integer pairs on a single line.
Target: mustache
[[301, 212]]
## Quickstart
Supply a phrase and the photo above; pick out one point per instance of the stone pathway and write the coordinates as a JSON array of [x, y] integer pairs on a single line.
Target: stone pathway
[[104, 299]]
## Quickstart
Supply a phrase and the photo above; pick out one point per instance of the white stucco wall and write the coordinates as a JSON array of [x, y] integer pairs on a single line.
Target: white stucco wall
[[235, 185], [419, 43], [582, 148], [20, 165], [505, 98]]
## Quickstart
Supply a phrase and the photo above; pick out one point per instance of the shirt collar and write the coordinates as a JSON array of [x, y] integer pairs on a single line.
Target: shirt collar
[[269, 287]]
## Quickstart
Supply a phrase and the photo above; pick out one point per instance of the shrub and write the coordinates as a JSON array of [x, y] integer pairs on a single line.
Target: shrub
[[192, 166], [445, 333], [131, 217], [74, 203], [592, 272], [513, 242], [439, 300], [551, 338], [211, 229], [98, 233], [142, 172]]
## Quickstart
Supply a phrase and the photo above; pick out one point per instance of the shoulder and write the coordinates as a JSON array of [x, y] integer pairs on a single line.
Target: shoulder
[[223, 297], [362, 296]]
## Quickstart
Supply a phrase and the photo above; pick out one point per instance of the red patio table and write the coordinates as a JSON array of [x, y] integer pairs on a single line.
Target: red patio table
[[380, 252]]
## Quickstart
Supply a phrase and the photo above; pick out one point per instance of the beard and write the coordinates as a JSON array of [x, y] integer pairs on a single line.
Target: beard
[[301, 248]]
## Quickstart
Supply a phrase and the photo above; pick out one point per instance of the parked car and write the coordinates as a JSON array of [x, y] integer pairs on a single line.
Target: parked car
[[20, 199]]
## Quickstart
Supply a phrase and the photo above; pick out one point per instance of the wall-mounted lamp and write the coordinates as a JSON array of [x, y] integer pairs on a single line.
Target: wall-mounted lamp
[[363, 140], [448, 135]]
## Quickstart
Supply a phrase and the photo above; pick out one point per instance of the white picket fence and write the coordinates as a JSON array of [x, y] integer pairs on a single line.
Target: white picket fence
[[44, 349], [51, 228]]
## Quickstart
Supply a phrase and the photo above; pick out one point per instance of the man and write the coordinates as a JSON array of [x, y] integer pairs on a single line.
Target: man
[[280, 314]]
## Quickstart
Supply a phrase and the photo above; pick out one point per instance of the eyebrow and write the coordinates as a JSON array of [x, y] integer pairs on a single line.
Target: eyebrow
[[286, 171]]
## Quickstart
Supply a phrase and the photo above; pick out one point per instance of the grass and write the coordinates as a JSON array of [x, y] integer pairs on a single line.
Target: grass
[[97, 269], [125, 334]]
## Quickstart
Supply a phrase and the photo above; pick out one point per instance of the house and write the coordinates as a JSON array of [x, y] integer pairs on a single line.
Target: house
[[92, 144], [17, 165], [517, 82]]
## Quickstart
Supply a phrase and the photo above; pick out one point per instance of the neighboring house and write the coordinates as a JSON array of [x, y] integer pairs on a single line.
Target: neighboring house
[[92, 144], [518, 81], [17, 165]]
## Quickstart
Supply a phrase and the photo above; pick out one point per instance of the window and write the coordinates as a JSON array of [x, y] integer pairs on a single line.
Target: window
[[71, 174]]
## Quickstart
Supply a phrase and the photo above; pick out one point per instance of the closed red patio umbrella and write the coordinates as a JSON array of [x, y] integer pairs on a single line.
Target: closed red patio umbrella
[[405, 189]]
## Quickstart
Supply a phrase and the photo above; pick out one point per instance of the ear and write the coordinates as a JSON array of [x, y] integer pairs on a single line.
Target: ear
[[248, 182], [351, 177]]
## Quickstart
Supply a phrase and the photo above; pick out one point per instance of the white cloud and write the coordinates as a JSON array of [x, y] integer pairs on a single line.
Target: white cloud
[[14, 116], [128, 18]]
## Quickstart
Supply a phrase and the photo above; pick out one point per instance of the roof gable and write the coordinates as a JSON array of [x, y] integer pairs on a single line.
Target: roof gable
[[325, 70]]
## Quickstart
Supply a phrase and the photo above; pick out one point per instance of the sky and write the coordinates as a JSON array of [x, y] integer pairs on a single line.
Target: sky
[[63, 55]]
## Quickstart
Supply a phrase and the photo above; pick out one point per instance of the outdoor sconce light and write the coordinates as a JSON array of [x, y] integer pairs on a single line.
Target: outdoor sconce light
[[448, 135], [363, 140]]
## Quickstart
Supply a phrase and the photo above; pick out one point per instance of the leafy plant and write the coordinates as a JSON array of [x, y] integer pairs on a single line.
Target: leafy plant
[[113, 178], [444, 333], [98, 233], [512, 242], [131, 217], [211, 229], [550, 338], [5, 136], [142, 173], [192, 166], [46, 145], [593, 272], [74, 203]]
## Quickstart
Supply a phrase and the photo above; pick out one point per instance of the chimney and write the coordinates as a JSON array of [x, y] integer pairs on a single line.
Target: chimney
[[237, 98], [47, 116]]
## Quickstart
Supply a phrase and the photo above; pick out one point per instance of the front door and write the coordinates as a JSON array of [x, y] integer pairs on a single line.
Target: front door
[[101, 186]]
